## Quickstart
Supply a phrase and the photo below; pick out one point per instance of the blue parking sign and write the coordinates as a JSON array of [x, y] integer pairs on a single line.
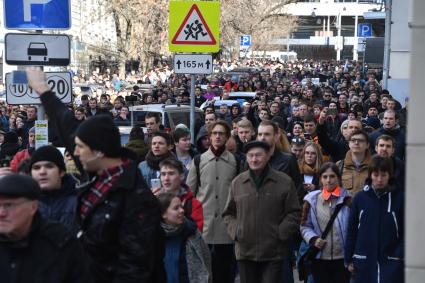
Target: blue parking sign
[[245, 40], [364, 30], [37, 14]]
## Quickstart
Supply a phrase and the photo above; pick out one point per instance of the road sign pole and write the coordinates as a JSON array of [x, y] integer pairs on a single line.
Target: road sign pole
[[387, 44], [40, 108], [192, 108], [355, 45]]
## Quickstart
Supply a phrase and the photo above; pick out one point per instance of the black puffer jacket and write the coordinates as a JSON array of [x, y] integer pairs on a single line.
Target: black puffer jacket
[[48, 255], [10, 146], [60, 205], [287, 163], [122, 232]]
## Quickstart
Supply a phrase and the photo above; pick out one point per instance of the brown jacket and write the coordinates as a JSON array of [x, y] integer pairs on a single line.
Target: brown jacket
[[261, 221], [353, 178]]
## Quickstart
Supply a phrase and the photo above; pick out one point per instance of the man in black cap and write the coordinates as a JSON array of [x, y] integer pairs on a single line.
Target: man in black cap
[[58, 201], [117, 214], [261, 215], [32, 249]]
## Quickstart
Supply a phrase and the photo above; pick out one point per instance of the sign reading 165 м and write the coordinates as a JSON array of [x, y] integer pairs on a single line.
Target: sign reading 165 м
[[193, 63], [60, 83]]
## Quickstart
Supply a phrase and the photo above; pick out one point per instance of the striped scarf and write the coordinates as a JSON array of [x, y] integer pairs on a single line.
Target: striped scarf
[[101, 187]]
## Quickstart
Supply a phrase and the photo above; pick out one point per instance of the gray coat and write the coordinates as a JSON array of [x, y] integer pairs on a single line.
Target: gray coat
[[216, 175], [198, 260]]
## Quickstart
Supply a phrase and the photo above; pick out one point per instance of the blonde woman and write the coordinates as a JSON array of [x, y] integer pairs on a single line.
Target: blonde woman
[[310, 162]]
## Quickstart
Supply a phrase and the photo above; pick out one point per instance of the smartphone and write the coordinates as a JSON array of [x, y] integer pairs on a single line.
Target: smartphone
[[155, 183], [19, 77]]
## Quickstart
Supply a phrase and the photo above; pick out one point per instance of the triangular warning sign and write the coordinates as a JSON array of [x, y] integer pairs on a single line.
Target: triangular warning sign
[[194, 30]]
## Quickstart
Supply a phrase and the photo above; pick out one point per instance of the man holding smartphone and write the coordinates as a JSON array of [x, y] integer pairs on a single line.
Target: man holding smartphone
[[336, 148]]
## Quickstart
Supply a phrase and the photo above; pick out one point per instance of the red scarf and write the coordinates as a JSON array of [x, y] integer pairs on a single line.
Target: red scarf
[[326, 194]]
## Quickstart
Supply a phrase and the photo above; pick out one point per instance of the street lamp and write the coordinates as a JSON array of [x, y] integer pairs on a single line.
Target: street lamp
[[339, 42]]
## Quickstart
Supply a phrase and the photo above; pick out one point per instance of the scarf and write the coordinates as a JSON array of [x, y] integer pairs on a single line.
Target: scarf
[[259, 180], [153, 161], [172, 230], [327, 195], [219, 151], [307, 169]]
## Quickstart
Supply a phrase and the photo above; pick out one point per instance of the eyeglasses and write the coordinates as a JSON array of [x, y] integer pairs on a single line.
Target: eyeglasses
[[357, 140], [215, 133], [10, 206]]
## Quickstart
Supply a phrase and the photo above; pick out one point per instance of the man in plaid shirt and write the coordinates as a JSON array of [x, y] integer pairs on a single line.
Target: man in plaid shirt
[[118, 216]]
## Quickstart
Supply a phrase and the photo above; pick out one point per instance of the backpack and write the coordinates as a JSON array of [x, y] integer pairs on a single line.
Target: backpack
[[197, 161], [188, 209]]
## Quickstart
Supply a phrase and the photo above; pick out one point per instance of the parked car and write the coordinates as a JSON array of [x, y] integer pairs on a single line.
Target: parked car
[[171, 116], [246, 96], [218, 103]]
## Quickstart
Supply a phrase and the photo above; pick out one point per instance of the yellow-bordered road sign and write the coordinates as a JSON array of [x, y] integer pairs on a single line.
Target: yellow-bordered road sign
[[194, 26]]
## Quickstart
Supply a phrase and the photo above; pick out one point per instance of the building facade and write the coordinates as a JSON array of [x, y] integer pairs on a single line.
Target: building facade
[[328, 28]]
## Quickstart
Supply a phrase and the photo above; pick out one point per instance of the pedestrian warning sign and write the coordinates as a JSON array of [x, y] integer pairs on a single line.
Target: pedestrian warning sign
[[194, 26], [194, 30]]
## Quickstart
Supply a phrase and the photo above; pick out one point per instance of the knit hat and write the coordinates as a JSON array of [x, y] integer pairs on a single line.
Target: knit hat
[[344, 124], [17, 186], [183, 127], [100, 133], [48, 153]]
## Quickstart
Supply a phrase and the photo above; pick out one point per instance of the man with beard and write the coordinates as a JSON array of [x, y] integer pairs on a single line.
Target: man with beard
[[391, 128]]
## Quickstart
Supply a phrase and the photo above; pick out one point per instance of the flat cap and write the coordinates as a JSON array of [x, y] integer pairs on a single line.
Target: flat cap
[[253, 144], [17, 186]]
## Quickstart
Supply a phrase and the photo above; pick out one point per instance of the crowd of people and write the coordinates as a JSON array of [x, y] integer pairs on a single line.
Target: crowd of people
[[308, 174]]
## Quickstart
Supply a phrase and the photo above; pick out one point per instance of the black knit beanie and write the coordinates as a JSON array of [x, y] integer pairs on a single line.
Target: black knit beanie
[[100, 133], [48, 153]]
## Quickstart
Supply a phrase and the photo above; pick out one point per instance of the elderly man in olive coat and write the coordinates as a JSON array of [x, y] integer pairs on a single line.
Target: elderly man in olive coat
[[262, 213]]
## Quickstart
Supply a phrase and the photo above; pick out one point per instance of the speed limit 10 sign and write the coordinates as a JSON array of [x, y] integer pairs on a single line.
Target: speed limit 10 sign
[[60, 83]]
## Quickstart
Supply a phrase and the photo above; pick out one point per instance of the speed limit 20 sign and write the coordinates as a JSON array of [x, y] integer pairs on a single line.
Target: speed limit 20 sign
[[60, 83]]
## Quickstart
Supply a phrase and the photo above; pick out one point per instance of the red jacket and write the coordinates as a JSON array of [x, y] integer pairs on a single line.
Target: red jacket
[[18, 158], [228, 86], [192, 207]]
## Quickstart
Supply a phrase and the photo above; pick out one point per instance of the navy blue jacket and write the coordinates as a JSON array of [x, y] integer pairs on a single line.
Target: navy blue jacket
[[60, 205], [399, 136], [375, 239]]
